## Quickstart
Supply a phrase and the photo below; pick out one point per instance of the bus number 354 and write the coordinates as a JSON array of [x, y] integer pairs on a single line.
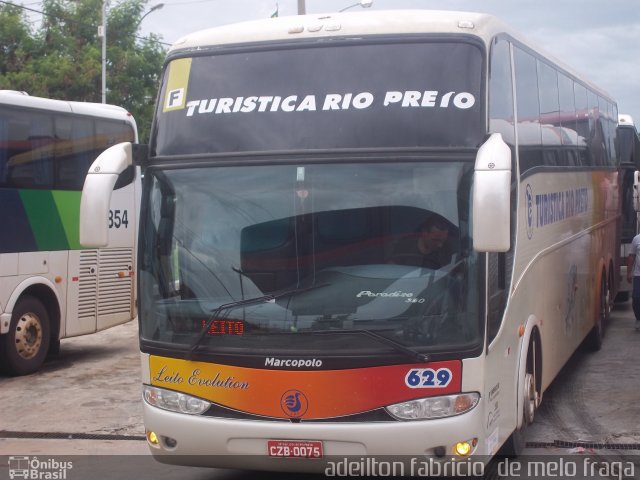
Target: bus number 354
[[118, 218]]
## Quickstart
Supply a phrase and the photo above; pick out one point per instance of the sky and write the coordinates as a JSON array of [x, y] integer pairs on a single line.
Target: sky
[[600, 39]]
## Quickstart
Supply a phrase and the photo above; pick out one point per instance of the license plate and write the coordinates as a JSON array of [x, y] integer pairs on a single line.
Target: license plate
[[295, 448]]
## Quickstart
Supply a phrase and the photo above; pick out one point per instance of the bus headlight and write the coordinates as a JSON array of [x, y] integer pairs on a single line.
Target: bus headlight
[[434, 407], [174, 401]]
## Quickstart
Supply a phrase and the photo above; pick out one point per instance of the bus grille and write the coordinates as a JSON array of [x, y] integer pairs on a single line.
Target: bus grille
[[87, 307], [114, 290], [106, 283]]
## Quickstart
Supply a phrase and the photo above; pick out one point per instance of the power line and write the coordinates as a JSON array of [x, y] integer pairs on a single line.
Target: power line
[[68, 19]]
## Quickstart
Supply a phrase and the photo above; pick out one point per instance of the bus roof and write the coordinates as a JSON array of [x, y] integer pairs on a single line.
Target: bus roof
[[378, 22], [22, 99], [359, 23]]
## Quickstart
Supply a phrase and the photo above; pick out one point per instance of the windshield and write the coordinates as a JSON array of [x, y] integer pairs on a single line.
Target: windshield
[[356, 95], [310, 259]]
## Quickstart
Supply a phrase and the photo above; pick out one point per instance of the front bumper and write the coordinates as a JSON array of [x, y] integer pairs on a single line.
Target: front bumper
[[242, 444]]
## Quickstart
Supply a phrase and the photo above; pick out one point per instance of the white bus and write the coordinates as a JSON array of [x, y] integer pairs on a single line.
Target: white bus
[[300, 172], [50, 287]]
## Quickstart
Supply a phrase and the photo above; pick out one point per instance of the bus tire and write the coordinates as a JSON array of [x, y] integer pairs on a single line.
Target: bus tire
[[24, 348], [622, 297], [54, 347], [515, 444], [596, 335]]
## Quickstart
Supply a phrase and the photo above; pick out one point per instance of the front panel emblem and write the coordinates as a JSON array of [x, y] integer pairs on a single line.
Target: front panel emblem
[[294, 403], [529, 207]]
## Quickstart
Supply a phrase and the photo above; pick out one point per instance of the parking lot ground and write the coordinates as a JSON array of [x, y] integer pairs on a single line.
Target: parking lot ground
[[83, 395]]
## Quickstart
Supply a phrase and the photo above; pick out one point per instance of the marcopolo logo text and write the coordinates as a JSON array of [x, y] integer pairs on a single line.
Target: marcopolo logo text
[[292, 362]]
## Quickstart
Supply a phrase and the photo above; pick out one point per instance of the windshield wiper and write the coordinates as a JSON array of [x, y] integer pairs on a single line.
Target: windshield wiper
[[397, 346], [242, 303]]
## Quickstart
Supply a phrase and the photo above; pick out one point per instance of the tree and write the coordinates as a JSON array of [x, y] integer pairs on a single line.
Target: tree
[[62, 58], [16, 44]]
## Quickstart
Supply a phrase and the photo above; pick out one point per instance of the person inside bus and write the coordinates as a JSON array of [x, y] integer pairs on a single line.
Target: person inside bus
[[429, 247], [633, 276]]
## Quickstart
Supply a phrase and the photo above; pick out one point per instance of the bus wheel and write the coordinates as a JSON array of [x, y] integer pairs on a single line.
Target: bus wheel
[[622, 297], [530, 398], [24, 348], [516, 442], [596, 336]]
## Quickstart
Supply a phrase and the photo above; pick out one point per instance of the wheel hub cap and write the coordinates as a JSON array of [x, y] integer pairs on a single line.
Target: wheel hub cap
[[529, 398], [28, 336]]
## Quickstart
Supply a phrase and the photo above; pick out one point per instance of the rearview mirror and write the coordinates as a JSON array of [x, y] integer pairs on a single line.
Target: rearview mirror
[[492, 196], [96, 194]]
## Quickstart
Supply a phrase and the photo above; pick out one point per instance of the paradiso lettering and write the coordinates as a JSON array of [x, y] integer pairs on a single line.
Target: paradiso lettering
[[346, 101]]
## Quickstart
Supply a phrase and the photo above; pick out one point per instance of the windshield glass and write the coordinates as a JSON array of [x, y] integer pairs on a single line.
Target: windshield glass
[[359, 95], [310, 252]]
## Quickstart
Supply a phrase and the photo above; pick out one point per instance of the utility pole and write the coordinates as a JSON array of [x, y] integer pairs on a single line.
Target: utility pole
[[102, 32], [302, 9]]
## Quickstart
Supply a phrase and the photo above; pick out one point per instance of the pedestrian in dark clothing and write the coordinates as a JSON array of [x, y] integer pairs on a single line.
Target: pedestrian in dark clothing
[[633, 276]]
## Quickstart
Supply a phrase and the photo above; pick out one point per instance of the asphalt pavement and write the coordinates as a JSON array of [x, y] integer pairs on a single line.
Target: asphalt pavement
[[595, 400], [86, 400]]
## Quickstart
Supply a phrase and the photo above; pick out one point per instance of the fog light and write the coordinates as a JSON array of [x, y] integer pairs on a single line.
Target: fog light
[[462, 448], [152, 438], [170, 442], [465, 448]]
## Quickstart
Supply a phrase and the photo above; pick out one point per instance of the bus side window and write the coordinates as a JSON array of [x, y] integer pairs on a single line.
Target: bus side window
[[109, 133], [497, 294], [29, 164], [74, 151], [501, 92]]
